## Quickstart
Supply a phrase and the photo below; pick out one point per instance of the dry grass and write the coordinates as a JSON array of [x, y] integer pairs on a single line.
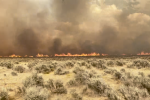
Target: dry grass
[[75, 78]]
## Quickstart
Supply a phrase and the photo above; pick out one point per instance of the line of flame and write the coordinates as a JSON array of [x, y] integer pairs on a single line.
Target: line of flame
[[143, 53], [69, 54], [83, 54]]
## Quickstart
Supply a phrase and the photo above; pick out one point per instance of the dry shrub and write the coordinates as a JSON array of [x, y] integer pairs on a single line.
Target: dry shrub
[[72, 83], [76, 96], [32, 64], [88, 66], [59, 71], [33, 80], [36, 93], [45, 69], [110, 63], [98, 64], [8, 65], [133, 93], [139, 63], [56, 86], [119, 63], [4, 95], [77, 70], [20, 90], [83, 63], [123, 70], [110, 71], [82, 76], [113, 95], [14, 74], [19, 69], [98, 86], [70, 64]]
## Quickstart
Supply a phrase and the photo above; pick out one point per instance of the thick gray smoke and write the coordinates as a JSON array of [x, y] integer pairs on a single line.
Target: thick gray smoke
[[28, 27]]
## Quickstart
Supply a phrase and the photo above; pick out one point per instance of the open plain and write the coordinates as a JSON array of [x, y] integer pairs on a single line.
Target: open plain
[[75, 78]]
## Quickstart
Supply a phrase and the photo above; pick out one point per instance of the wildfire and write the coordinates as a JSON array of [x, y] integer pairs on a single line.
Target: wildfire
[[68, 54], [41, 55], [83, 54], [14, 55], [31, 56], [143, 53], [104, 54]]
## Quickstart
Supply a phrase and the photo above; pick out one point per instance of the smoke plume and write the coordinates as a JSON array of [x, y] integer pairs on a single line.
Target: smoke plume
[[28, 27]]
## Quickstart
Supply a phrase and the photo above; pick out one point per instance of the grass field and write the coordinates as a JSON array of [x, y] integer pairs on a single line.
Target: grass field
[[75, 78]]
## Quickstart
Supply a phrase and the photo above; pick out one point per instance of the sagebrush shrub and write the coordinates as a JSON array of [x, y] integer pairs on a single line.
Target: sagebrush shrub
[[59, 71], [71, 83], [8, 65], [117, 75], [19, 69], [140, 63], [33, 80], [14, 74], [119, 63], [70, 64], [133, 93], [56, 86], [110, 63], [36, 93], [97, 86], [43, 69], [113, 95], [76, 96], [31, 65], [4, 95]]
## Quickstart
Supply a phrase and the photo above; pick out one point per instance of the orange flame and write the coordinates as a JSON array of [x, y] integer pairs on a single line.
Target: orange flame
[[31, 56], [104, 54], [83, 54], [41, 55], [26, 56], [143, 53], [69, 54], [14, 55]]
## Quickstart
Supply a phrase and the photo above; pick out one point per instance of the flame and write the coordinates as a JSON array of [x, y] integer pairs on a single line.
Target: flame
[[104, 54], [68, 54], [41, 55], [83, 54], [31, 56], [14, 55], [143, 53], [26, 56]]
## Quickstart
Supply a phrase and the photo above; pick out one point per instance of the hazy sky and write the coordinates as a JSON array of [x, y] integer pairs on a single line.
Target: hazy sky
[[75, 26]]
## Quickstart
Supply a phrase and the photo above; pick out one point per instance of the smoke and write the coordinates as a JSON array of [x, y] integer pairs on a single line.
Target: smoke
[[28, 27]]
